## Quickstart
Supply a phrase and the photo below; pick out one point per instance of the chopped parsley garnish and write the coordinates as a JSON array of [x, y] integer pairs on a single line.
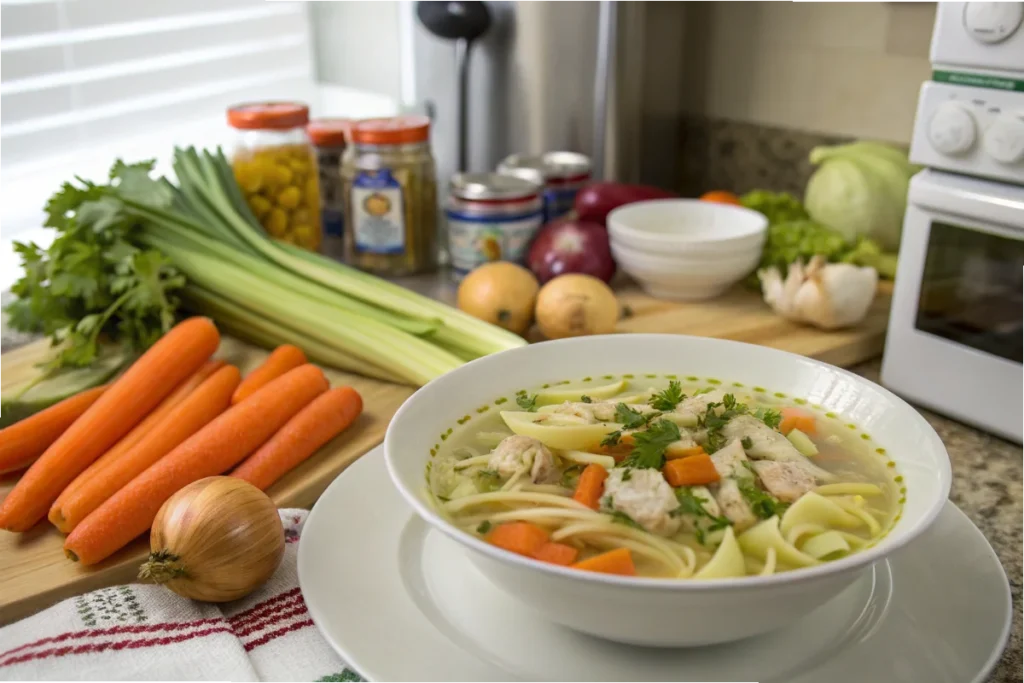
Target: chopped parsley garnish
[[629, 418], [762, 503], [747, 442], [627, 475], [484, 527], [692, 504], [649, 445], [669, 398], [717, 415], [612, 439], [772, 418], [526, 402], [586, 399], [623, 518], [570, 474]]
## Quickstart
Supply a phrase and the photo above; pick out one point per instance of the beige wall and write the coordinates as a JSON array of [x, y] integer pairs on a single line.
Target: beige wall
[[850, 69]]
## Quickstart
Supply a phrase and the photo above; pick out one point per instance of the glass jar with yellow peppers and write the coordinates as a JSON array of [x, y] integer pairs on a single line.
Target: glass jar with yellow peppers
[[275, 167], [389, 188]]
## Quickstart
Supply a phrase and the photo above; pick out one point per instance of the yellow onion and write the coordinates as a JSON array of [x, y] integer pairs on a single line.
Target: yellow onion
[[217, 539]]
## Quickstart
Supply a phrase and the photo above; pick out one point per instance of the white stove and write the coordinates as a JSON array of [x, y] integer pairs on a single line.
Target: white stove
[[956, 330]]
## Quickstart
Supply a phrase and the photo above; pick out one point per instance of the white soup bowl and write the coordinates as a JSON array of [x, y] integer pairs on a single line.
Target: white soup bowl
[[670, 612]]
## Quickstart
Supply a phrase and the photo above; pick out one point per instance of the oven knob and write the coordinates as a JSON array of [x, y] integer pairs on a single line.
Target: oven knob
[[992, 22], [1004, 139], [951, 129]]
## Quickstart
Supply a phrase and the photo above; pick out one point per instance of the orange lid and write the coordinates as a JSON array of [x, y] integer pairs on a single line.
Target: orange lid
[[275, 115], [391, 131], [329, 132]]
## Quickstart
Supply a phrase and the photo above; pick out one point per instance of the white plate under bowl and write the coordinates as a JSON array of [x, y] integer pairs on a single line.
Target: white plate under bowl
[[400, 601]]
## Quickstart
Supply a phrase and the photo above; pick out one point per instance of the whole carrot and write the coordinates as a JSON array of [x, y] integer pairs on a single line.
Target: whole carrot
[[200, 407], [213, 450], [133, 437], [148, 381], [281, 360], [24, 441], [327, 416]]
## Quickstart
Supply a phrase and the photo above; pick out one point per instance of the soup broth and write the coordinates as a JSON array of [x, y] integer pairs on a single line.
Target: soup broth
[[668, 477]]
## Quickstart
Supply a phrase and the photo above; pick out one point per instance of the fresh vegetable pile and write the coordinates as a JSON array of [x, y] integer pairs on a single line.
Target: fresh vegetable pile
[[102, 463], [793, 236], [128, 250]]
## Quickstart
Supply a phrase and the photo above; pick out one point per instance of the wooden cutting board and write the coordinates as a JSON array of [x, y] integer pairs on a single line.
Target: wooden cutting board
[[34, 573]]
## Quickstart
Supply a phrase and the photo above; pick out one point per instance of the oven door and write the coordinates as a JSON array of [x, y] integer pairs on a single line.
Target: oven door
[[956, 331]]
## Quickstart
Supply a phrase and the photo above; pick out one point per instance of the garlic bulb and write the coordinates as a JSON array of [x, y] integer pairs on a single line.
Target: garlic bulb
[[217, 539], [826, 295]]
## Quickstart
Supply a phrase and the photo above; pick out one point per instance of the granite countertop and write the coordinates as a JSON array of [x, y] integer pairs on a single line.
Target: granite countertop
[[987, 486]]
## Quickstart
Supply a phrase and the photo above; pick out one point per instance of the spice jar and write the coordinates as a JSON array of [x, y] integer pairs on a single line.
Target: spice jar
[[275, 168], [390, 194], [491, 217], [330, 137]]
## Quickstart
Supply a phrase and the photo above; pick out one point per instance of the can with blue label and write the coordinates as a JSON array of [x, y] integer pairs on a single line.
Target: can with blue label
[[491, 217], [561, 173]]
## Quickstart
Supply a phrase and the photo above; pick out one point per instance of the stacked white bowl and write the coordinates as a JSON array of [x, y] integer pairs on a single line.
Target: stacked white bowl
[[686, 249]]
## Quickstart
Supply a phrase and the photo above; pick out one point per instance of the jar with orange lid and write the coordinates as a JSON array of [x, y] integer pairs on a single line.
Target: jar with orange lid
[[275, 167], [330, 137], [390, 194]]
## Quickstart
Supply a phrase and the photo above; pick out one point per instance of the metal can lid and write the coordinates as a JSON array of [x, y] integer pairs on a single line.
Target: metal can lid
[[491, 186], [550, 164]]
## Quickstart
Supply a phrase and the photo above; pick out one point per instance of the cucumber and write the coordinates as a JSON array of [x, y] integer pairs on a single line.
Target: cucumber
[[15, 405], [802, 442]]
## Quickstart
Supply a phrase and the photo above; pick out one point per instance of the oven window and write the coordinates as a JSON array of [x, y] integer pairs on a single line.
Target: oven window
[[971, 292]]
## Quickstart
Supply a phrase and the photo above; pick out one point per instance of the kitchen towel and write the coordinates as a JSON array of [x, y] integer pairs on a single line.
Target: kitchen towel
[[146, 632]]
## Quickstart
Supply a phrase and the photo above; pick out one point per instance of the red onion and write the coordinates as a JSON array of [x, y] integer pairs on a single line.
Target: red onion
[[571, 246]]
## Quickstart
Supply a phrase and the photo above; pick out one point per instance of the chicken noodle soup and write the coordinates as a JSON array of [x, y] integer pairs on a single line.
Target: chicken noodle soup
[[664, 477]]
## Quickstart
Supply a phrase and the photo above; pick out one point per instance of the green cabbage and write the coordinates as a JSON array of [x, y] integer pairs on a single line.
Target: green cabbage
[[792, 236], [860, 190]]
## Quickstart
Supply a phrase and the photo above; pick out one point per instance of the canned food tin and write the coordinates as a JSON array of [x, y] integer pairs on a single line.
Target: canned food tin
[[562, 173], [491, 217]]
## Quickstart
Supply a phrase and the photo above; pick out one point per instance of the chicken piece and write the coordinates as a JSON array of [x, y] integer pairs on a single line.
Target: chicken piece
[[689, 411], [707, 500], [768, 444], [516, 453], [784, 480], [729, 461], [644, 496], [600, 411]]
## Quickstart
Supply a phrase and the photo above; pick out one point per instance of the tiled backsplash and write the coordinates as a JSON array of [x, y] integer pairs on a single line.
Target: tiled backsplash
[[718, 154], [847, 69]]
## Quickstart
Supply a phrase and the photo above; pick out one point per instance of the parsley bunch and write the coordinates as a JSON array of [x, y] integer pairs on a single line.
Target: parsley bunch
[[93, 283]]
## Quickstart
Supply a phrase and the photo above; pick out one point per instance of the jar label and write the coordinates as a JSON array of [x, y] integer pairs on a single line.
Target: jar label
[[558, 202], [378, 213], [473, 241]]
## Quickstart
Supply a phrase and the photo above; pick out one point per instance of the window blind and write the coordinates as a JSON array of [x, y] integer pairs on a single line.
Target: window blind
[[85, 81]]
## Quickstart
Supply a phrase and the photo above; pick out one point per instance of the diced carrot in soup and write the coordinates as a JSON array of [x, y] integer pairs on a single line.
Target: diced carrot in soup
[[618, 561], [518, 537], [557, 553], [794, 418]]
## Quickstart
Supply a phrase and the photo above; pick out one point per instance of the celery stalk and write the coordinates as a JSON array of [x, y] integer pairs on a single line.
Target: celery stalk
[[244, 324], [406, 355], [286, 279]]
